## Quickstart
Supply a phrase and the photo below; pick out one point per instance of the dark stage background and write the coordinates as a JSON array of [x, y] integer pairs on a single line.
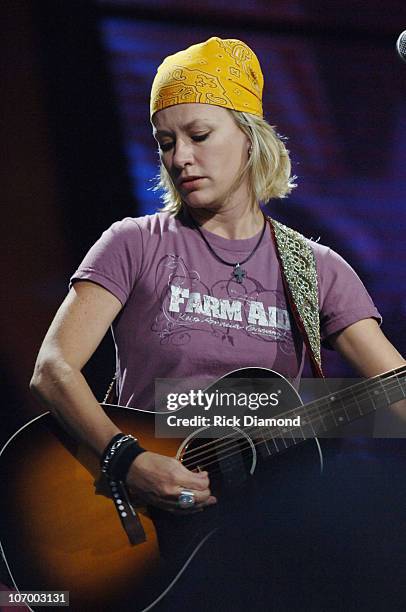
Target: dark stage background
[[78, 151]]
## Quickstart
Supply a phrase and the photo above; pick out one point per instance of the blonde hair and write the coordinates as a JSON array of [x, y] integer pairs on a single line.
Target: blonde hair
[[268, 166]]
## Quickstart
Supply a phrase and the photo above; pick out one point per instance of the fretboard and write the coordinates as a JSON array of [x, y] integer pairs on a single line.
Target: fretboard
[[324, 415]]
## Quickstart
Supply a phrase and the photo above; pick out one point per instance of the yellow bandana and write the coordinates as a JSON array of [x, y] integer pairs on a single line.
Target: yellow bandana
[[220, 72]]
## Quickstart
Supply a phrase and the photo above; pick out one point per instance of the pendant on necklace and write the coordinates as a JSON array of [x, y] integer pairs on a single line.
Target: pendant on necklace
[[239, 273]]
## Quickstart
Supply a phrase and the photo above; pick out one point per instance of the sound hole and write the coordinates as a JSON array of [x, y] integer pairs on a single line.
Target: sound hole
[[228, 459]]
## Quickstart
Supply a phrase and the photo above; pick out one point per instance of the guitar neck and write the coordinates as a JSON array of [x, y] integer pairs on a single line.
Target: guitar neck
[[351, 403], [322, 416]]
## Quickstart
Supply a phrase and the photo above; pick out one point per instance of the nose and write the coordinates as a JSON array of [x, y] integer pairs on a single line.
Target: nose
[[182, 154]]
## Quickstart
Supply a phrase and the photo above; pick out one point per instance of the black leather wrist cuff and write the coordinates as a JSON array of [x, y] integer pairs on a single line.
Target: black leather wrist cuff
[[119, 455], [124, 460]]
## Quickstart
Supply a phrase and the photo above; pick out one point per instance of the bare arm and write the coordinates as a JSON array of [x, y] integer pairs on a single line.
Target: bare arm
[[366, 348], [79, 326]]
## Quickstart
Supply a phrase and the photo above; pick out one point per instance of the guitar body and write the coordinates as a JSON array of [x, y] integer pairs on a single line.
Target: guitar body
[[60, 530], [57, 532]]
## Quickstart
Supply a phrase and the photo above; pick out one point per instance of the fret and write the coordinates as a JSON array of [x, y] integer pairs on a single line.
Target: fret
[[388, 400], [314, 420], [360, 407], [318, 419], [273, 448], [281, 443], [377, 397], [338, 409], [262, 442], [402, 386], [351, 403], [277, 445], [352, 409], [298, 431], [286, 435], [334, 410], [311, 420], [326, 414], [363, 401], [394, 389], [389, 388], [306, 425], [308, 429], [342, 406], [289, 442]]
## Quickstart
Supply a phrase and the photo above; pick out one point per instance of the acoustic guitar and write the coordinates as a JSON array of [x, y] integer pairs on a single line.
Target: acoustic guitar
[[62, 527]]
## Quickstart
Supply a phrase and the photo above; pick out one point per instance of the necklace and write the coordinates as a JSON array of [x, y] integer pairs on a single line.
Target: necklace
[[238, 272]]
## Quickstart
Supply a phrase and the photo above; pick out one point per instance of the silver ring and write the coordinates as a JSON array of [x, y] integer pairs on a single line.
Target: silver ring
[[186, 499]]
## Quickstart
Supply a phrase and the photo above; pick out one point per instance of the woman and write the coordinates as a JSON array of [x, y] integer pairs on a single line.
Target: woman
[[196, 290]]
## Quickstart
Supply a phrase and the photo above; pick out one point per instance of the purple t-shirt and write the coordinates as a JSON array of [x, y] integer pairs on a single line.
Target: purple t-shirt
[[185, 317]]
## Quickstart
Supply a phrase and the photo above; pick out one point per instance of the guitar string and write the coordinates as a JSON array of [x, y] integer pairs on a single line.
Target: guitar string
[[237, 454], [278, 445], [241, 452], [237, 436], [230, 438], [320, 415], [322, 401]]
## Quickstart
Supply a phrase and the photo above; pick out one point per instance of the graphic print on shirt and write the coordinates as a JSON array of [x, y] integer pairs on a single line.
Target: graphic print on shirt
[[225, 309]]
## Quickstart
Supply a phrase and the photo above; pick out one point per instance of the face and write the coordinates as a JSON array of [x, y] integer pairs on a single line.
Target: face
[[203, 150]]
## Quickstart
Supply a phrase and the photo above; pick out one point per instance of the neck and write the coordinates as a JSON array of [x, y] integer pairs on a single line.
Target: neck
[[233, 223]]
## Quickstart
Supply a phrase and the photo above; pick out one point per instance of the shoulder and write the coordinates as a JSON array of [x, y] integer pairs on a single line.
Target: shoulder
[[335, 276], [325, 257], [153, 226], [329, 262], [297, 248], [136, 232], [343, 297]]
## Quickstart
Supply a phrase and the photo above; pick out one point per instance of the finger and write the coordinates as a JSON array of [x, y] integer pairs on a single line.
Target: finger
[[194, 480], [210, 501], [200, 497], [172, 502], [182, 512], [173, 506], [194, 509], [196, 472]]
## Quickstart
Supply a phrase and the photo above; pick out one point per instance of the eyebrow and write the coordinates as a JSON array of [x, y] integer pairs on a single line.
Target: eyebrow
[[187, 126]]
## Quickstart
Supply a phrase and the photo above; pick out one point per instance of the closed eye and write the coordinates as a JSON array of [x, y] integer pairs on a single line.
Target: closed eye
[[167, 146], [200, 137]]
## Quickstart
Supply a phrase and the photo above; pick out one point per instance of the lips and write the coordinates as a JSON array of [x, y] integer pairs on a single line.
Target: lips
[[190, 182], [188, 179]]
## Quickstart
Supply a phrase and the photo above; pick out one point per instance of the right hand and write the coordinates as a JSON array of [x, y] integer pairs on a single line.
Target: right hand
[[158, 480]]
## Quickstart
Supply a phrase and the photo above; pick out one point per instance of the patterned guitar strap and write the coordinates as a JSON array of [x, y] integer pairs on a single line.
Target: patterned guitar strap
[[299, 275]]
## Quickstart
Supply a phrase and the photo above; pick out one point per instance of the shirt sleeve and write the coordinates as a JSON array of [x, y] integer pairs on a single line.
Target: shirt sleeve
[[115, 260], [343, 298]]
